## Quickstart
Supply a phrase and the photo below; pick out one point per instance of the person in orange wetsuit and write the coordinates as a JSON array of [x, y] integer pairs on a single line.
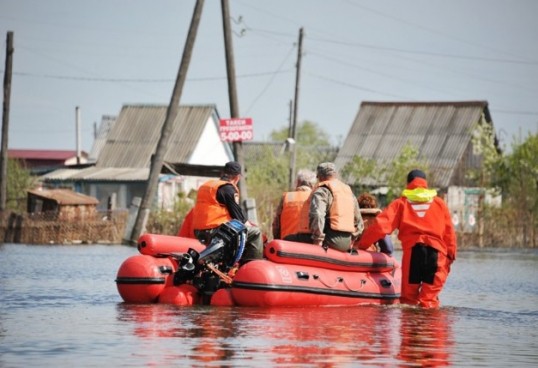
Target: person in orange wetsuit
[[286, 221], [427, 236]]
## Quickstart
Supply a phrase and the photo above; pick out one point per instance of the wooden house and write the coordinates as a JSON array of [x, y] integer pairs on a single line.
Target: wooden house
[[61, 204], [124, 156]]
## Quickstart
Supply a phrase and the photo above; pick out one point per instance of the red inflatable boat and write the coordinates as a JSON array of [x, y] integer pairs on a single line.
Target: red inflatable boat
[[168, 270]]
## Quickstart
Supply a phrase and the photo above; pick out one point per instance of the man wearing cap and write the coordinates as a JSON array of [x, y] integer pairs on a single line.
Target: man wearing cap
[[427, 236], [217, 202], [332, 219], [286, 221]]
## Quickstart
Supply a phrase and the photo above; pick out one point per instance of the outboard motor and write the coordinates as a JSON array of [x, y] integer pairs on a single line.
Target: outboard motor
[[223, 252]]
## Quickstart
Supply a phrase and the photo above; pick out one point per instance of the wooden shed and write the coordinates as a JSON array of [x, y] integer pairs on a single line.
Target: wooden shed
[[62, 204]]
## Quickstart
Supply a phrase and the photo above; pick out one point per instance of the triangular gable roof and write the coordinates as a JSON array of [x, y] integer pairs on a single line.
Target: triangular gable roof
[[441, 131], [134, 137]]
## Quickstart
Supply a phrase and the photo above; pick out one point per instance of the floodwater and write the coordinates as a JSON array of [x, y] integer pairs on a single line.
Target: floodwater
[[59, 307]]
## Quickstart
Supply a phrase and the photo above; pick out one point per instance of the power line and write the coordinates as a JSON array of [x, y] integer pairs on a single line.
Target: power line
[[418, 52], [531, 113], [354, 86], [270, 80], [141, 80], [421, 27]]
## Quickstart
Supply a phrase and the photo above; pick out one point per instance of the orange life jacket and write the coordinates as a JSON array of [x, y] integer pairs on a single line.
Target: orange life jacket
[[292, 204], [341, 213], [208, 213]]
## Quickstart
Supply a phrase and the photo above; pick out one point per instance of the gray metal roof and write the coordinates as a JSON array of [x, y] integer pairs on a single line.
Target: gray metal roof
[[441, 131], [98, 174], [134, 137]]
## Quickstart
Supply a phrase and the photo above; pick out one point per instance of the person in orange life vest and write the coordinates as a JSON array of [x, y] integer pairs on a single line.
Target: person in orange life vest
[[427, 236], [186, 229], [217, 202], [286, 220], [369, 210], [333, 217]]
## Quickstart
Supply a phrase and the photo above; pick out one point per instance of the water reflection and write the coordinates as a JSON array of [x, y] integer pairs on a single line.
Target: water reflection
[[379, 335], [426, 337]]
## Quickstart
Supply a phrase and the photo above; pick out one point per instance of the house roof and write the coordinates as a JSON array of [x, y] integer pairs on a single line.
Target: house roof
[[48, 155], [440, 130], [134, 136], [64, 196], [93, 173]]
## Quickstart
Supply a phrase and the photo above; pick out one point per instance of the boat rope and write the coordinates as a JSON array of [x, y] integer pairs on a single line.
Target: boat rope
[[363, 282], [227, 279], [338, 280]]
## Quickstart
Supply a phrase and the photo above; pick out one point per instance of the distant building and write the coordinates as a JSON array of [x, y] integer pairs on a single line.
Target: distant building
[[40, 162], [123, 162], [442, 132], [62, 204]]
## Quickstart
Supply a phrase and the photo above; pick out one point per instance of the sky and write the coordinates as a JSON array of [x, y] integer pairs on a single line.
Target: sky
[[99, 55]]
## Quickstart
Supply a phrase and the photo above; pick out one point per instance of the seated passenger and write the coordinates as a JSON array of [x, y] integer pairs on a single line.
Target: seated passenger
[[217, 202], [286, 221], [332, 219], [369, 210]]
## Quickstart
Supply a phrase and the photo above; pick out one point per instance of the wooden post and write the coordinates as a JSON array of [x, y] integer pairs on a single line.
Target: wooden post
[[248, 204], [295, 104], [157, 160], [232, 92], [5, 121]]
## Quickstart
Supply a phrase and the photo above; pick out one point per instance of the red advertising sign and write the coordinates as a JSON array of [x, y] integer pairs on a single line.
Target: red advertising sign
[[236, 129]]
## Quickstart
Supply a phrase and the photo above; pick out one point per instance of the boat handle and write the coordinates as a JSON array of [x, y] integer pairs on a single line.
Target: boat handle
[[166, 269]]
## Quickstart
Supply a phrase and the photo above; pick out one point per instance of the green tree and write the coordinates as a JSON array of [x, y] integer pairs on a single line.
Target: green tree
[[484, 147], [361, 172], [269, 169], [395, 172], [520, 185], [19, 181], [313, 145], [168, 222], [483, 140]]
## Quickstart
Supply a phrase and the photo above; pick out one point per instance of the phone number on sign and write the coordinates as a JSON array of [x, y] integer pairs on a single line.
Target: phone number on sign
[[245, 135]]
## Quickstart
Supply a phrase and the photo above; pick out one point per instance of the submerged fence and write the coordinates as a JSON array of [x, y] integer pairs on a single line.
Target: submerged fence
[[44, 228], [499, 229]]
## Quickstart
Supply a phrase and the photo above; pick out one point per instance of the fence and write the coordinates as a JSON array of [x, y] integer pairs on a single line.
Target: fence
[[44, 228]]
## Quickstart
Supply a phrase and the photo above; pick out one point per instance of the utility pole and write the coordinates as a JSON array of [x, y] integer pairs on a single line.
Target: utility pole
[[5, 121], [295, 109], [77, 128], [157, 159], [232, 93]]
